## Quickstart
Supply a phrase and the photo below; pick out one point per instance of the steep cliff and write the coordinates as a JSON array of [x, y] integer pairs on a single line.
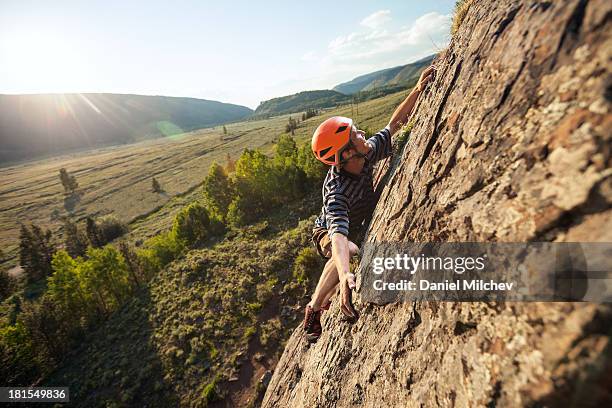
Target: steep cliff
[[511, 143]]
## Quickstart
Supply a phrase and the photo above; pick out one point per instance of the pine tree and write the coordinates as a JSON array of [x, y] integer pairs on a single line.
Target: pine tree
[[35, 252], [93, 233], [156, 186], [68, 181], [291, 126], [218, 191], [230, 164], [7, 285], [75, 241]]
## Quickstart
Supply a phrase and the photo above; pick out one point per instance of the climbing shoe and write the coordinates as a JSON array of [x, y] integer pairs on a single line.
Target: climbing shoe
[[312, 324]]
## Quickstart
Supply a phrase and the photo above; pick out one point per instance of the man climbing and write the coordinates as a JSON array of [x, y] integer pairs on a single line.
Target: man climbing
[[348, 200]]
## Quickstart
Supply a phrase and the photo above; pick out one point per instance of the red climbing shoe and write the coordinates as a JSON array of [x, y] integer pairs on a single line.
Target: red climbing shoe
[[312, 324]]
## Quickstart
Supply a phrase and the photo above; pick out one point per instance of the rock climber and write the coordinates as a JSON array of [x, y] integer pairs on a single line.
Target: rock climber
[[348, 200]]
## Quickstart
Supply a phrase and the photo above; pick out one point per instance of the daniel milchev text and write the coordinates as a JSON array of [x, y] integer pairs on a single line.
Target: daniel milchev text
[[411, 264]]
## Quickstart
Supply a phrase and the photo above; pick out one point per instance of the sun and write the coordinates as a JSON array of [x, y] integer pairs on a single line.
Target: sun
[[41, 62]]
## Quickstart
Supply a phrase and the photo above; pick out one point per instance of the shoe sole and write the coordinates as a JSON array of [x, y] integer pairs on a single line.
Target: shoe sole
[[312, 338]]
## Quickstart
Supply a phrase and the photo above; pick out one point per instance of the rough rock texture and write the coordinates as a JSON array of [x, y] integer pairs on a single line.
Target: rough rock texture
[[511, 143]]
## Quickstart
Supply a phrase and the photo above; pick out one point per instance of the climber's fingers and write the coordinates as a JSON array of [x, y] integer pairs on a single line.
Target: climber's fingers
[[427, 71], [350, 280], [426, 76], [346, 304]]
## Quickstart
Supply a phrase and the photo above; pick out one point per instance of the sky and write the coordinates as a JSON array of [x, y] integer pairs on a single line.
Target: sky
[[241, 52]]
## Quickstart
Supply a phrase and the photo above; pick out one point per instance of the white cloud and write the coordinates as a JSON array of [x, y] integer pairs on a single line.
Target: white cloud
[[367, 50], [371, 49], [377, 19], [309, 56], [428, 32]]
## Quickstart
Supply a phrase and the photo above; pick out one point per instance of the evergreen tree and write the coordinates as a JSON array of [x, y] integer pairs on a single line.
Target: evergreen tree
[[156, 186], [230, 164], [75, 241], [218, 191], [290, 178], [93, 233], [68, 181], [291, 126], [309, 114], [286, 150], [7, 285], [35, 252]]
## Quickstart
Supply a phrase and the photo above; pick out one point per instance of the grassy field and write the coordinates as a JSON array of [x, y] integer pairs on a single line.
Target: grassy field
[[117, 180]]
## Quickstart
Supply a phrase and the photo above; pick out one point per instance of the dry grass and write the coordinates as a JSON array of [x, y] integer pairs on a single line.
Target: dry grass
[[461, 8], [117, 180]]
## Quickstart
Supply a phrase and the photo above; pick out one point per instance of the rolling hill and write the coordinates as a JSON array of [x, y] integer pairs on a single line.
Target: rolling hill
[[33, 126], [369, 86], [386, 77], [301, 101]]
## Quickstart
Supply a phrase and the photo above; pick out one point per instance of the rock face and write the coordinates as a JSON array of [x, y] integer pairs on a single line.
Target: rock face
[[511, 143]]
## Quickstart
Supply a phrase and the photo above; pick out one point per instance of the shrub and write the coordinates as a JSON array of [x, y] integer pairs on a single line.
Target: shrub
[[160, 250], [236, 215], [269, 331], [307, 265], [64, 285], [315, 170], [404, 134], [286, 150], [156, 186], [210, 393], [110, 228], [218, 191], [192, 224], [17, 355], [105, 277], [48, 329], [461, 9]]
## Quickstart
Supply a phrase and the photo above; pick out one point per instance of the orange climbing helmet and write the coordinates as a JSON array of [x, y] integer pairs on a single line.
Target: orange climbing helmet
[[330, 139]]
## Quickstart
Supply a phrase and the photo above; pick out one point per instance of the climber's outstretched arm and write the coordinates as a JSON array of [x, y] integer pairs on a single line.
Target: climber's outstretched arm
[[341, 257], [404, 110]]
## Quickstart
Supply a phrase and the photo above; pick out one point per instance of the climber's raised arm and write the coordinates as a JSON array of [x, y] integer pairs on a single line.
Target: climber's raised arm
[[404, 110]]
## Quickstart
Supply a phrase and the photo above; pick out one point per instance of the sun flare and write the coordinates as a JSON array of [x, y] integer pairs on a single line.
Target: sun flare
[[43, 60]]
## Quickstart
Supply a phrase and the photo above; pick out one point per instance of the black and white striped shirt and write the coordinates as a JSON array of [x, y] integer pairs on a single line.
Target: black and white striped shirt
[[348, 199]]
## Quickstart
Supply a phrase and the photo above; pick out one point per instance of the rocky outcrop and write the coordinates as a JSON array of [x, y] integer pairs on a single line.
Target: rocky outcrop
[[511, 143]]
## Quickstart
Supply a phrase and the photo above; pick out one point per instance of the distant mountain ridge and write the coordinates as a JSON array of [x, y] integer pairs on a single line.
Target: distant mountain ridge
[[38, 125], [385, 77], [368, 86], [301, 101]]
